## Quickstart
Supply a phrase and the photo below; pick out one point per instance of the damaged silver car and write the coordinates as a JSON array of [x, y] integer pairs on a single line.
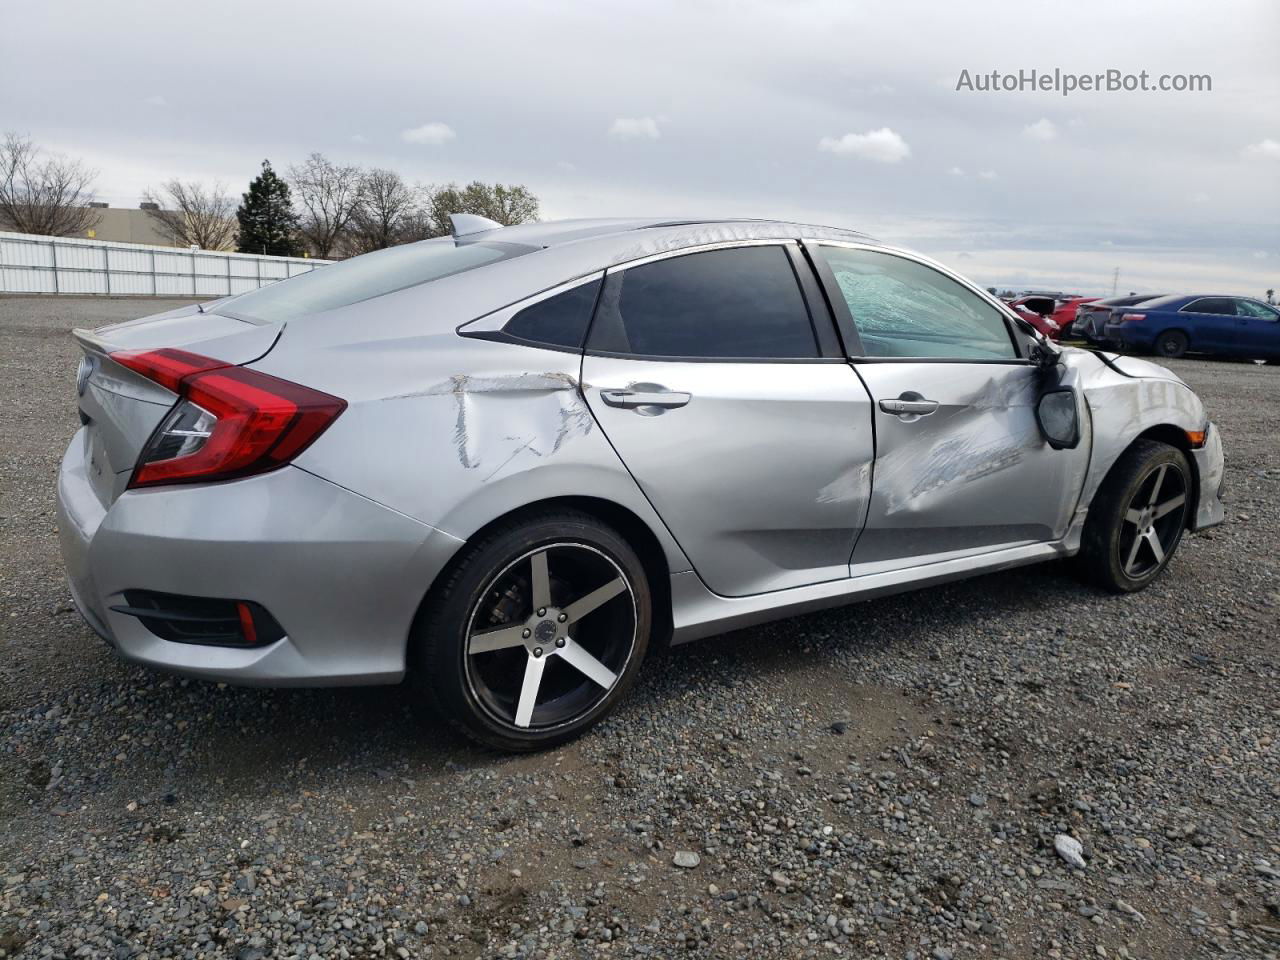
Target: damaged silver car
[[505, 464]]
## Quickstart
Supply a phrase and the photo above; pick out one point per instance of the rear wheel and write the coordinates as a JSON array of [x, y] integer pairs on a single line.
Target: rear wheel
[[1136, 519], [1171, 343], [536, 633]]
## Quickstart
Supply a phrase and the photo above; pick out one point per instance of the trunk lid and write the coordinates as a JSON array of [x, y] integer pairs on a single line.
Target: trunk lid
[[120, 408]]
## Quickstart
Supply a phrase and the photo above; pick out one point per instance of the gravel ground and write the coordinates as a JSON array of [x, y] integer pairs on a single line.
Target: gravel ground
[[883, 780]]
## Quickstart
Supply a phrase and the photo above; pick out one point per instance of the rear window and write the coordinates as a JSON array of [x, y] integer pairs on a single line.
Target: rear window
[[1159, 303], [367, 276]]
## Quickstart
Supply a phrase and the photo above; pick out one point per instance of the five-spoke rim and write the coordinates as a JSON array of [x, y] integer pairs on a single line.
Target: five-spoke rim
[[550, 636], [1153, 521]]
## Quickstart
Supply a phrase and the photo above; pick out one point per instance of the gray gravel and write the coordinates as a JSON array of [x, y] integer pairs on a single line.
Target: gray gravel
[[887, 779]]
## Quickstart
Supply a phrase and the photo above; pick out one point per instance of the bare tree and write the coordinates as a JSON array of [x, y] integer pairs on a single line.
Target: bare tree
[[189, 214], [386, 213], [502, 203], [329, 195], [48, 195]]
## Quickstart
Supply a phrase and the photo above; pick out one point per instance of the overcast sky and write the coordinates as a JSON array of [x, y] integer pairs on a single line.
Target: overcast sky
[[844, 113]]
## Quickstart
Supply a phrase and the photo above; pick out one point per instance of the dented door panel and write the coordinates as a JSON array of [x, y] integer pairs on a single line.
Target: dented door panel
[[973, 475]]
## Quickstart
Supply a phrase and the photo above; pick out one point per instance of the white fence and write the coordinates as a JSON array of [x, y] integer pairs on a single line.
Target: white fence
[[32, 264]]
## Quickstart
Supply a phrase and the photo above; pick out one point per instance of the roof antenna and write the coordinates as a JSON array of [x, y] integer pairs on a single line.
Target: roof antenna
[[466, 224]]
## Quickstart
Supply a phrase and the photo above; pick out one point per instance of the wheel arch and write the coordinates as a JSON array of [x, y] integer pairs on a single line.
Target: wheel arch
[[631, 526]]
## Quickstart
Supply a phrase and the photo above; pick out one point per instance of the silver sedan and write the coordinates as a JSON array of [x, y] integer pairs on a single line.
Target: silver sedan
[[503, 464]]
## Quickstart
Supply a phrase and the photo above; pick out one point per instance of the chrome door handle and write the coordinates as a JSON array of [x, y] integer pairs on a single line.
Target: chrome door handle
[[920, 408], [629, 399]]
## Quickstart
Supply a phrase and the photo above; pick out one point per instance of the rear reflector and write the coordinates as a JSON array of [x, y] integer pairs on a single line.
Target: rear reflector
[[1196, 438], [229, 421], [202, 620]]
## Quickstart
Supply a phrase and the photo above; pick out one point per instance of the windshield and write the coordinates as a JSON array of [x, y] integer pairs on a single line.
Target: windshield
[[365, 277]]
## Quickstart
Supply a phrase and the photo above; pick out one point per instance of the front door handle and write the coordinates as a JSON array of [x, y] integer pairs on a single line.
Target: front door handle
[[630, 399], [900, 407]]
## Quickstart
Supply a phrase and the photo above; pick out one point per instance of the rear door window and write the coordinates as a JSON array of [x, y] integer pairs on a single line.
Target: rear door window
[[1223, 306], [739, 303]]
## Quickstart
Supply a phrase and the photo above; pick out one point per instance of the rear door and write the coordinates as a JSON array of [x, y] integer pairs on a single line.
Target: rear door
[[718, 379], [1210, 324], [961, 466]]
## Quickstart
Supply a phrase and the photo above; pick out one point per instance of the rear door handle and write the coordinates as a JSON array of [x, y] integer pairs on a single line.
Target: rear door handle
[[919, 408], [629, 399]]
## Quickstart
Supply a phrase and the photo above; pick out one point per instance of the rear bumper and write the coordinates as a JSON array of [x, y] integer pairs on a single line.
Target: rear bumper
[[1210, 473], [1126, 335], [343, 575]]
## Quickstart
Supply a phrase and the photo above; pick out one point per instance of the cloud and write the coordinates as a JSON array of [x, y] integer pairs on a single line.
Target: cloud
[[359, 138], [882, 146], [956, 172], [1042, 129], [432, 134], [1268, 149], [567, 166], [1259, 254], [156, 100], [988, 175], [635, 128]]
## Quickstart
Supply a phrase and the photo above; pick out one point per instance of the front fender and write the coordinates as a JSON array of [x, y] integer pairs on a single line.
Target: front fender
[[1126, 403]]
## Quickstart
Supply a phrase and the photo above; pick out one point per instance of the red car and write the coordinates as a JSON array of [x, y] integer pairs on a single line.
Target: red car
[[1051, 315]]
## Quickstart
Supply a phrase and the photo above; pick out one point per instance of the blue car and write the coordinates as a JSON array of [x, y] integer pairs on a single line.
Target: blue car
[[1222, 326]]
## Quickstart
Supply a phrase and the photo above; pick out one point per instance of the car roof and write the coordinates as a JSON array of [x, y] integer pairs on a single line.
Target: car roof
[[674, 232]]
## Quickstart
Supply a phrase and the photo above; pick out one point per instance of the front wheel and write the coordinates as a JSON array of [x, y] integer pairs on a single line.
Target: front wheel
[[1137, 517], [535, 633]]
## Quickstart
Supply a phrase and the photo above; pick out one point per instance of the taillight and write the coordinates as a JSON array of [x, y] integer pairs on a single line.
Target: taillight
[[1127, 317], [228, 422]]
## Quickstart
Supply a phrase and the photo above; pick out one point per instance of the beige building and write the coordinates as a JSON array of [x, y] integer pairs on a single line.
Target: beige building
[[121, 225]]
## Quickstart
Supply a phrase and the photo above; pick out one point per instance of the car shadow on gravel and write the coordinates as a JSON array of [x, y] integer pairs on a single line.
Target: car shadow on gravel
[[246, 739]]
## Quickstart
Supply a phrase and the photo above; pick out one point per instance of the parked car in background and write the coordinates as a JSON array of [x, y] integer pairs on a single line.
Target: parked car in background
[[1092, 315], [1051, 315], [1217, 325]]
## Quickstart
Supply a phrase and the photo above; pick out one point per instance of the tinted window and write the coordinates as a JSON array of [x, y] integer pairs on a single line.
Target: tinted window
[[371, 275], [905, 309], [744, 302], [1251, 308], [1219, 305], [559, 321]]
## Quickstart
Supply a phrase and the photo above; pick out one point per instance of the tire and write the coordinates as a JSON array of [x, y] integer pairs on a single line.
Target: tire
[[479, 640], [1115, 552], [1171, 344]]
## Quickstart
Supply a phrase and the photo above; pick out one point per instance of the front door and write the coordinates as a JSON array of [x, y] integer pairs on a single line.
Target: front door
[[1259, 327], [961, 466], [730, 405]]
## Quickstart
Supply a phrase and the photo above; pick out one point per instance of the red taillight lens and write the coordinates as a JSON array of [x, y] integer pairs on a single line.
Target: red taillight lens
[[1126, 317], [230, 421], [166, 367]]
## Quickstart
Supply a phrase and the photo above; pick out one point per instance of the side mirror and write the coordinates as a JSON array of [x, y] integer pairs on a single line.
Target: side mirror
[[1059, 417]]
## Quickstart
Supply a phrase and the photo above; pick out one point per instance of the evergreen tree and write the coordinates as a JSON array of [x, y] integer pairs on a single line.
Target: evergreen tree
[[268, 223]]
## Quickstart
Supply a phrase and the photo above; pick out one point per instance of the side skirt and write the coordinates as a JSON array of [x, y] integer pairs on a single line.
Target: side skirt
[[697, 612]]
